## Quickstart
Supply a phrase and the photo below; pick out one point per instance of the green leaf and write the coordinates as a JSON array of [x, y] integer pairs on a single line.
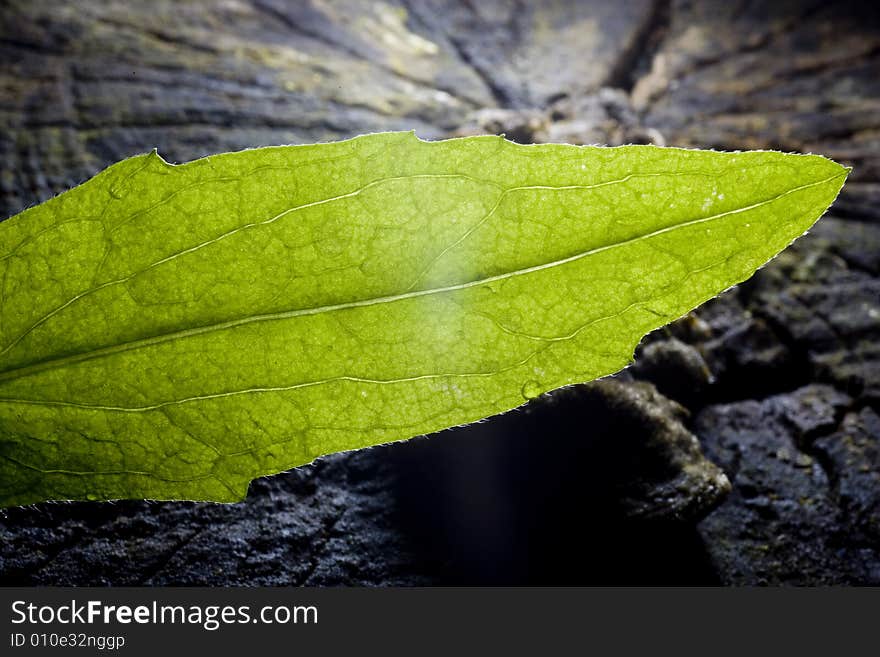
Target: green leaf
[[173, 332]]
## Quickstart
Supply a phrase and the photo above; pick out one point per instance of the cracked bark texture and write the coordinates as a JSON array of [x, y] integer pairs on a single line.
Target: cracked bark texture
[[743, 447]]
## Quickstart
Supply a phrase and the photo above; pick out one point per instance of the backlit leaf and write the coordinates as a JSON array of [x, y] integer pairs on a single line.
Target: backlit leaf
[[173, 332]]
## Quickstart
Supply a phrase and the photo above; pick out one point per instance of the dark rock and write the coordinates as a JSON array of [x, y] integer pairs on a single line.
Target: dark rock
[[605, 117], [321, 524], [857, 242], [532, 53], [749, 360], [837, 324], [691, 328], [782, 523], [812, 411], [862, 199], [666, 474], [676, 368], [852, 457]]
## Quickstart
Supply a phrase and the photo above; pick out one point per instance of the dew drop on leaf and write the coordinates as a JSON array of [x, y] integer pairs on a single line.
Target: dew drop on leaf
[[531, 389]]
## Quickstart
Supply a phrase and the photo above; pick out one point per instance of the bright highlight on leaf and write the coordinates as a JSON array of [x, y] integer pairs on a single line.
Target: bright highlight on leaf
[[173, 332]]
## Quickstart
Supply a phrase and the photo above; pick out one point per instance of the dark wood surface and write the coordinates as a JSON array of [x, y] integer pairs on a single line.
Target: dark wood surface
[[780, 378]]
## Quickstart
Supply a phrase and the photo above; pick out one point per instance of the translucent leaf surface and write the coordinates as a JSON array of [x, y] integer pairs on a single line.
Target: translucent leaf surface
[[173, 332]]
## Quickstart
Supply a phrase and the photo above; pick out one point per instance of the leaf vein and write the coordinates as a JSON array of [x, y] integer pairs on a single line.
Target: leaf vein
[[301, 312]]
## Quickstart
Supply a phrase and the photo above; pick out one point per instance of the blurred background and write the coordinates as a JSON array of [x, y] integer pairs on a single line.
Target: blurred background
[[742, 447]]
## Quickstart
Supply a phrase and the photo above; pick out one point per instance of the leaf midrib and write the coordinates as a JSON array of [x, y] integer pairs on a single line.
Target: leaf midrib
[[58, 362]]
